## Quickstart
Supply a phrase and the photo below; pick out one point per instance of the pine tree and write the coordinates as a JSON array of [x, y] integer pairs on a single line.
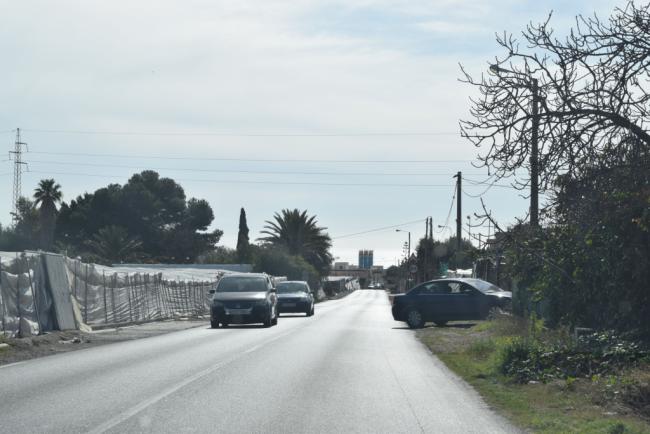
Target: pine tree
[[243, 246]]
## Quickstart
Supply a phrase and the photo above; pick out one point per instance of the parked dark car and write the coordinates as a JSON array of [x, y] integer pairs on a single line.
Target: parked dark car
[[295, 297], [244, 299], [444, 300]]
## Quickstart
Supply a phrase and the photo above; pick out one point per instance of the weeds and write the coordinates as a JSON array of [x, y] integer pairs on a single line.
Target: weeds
[[531, 358]]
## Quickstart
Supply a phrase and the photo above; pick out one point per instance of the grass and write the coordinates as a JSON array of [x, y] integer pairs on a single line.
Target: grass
[[563, 406], [3, 340]]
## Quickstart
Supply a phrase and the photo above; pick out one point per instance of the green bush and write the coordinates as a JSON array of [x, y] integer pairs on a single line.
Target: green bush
[[526, 359], [278, 262]]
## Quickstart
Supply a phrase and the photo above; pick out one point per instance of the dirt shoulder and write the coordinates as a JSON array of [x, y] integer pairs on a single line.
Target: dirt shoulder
[[55, 342], [474, 350]]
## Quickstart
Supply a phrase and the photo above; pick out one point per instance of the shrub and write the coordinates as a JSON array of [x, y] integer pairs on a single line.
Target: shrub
[[526, 359]]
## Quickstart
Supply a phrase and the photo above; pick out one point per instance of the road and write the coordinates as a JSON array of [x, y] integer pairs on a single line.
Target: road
[[350, 368]]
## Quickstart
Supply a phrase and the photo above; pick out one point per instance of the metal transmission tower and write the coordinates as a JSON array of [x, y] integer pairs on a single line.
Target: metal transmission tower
[[18, 170]]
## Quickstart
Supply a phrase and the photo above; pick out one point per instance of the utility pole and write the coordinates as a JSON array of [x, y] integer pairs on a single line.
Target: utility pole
[[18, 170], [534, 145], [459, 218], [534, 162]]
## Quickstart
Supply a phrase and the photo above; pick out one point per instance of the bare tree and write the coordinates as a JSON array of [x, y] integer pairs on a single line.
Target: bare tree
[[592, 88]]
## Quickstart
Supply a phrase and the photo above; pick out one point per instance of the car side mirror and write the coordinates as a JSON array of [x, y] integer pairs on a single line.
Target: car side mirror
[[212, 291], [274, 290]]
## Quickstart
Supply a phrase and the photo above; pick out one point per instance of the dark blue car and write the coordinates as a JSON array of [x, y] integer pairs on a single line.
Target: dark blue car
[[443, 300], [295, 297]]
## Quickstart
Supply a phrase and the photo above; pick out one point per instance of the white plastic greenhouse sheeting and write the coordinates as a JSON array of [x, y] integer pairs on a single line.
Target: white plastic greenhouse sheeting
[[99, 294], [19, 316], [108, 295], [171, 273]]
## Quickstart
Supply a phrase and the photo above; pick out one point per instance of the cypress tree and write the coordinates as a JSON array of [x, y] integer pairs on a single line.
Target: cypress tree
[[243, 246]]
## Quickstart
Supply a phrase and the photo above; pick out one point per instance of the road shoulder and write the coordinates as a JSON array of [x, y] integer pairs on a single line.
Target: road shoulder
[[21, 349], [472, 351]]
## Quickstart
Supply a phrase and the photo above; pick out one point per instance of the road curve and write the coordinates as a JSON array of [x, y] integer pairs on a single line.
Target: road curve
[[350, 368]]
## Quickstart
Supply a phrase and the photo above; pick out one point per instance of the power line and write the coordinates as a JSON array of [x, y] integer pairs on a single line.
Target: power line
[[451, 207], [283, 172], [230, 181], [379, 229], [231, 134], [264, 160]]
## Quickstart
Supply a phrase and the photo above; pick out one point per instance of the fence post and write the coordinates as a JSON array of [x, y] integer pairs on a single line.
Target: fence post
[[86, 297], [113, 285], [166, 297], [74, 277], [158, 299], [186, 292], [146, 296], [105, 306], [128, 293]]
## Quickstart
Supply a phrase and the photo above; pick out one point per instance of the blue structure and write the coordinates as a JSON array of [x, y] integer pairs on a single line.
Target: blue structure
[[366, 259]]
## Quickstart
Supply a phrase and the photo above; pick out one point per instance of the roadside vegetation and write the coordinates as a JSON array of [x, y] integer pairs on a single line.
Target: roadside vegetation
[[575, 354], [546, 380], [150, 220]]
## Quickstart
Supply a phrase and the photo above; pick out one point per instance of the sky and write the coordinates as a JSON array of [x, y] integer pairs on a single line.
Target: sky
[[348, 109]]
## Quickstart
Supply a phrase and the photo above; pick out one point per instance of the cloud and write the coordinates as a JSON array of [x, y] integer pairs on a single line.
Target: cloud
[[255, 66]]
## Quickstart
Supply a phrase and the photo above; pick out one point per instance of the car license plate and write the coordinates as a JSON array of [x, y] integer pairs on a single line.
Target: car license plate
[[238, 311], [289, 304]]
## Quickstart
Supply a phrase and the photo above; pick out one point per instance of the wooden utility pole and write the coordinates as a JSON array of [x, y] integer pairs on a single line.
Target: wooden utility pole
[[534, 158], [459, 218]]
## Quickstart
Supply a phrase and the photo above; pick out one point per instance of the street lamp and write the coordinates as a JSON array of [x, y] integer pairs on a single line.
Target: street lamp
[[448, 228], [534, 147], [408, 259], [409, 245]]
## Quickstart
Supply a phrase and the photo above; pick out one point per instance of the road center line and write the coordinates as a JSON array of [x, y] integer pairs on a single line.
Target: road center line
[[114, 421]]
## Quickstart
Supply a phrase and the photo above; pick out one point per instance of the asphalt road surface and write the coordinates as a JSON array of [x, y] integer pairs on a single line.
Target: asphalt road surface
[[350, 368]]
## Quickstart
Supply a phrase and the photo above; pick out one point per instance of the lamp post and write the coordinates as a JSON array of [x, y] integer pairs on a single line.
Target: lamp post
[[408, 258], [409, 245], [448, 228], [534, 146]]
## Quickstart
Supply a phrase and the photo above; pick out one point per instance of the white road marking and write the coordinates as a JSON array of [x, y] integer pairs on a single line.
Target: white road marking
[[113, 422], [13, 364]]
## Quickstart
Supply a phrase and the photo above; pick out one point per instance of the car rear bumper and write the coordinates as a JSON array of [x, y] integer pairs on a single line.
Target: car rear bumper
[[292, 307], [256, 314]]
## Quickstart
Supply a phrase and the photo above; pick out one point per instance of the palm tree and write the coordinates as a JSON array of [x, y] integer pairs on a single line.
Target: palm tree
[[112, 243], [300, 235], [47, 195]]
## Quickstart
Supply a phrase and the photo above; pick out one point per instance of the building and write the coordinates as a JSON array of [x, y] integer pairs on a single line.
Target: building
[[365, 276], [365, 259]]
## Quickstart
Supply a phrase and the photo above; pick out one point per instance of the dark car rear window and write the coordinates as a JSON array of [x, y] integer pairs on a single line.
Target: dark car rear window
[[284, 287], [242, 284]]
